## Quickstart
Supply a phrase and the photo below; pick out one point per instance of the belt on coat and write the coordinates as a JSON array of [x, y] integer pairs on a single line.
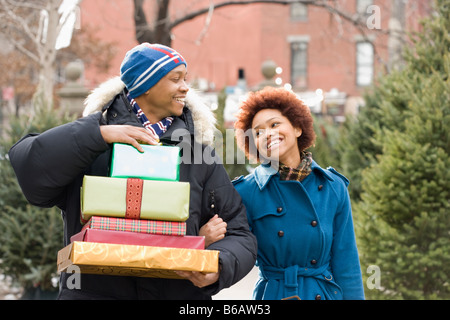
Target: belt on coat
[[290, 276]]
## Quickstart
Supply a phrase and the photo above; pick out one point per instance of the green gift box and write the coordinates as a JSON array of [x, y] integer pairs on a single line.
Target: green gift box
[[134, 198], [155, 163]]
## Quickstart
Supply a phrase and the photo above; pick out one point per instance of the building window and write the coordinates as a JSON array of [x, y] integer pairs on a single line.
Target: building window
[[361, 6], [299, 63], [364, 63], [299, 12]]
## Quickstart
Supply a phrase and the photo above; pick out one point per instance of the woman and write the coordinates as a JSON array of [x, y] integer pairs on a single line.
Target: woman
[[299, 212]]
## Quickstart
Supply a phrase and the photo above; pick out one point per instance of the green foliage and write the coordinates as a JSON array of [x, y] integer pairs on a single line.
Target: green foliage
[[433, 43], [233, 158], [397, 152], [30, 237], [30, 240], [406, 198], [325, 151], [361, 138]]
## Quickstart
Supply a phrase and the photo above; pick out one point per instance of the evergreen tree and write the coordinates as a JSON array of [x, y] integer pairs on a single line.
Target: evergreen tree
[[30, 237], [324, 150], [358, 144], [386, 102], [397, 152], [405, 204], [234, 160]]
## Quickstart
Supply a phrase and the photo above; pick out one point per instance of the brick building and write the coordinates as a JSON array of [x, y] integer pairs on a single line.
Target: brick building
[[320, 55]]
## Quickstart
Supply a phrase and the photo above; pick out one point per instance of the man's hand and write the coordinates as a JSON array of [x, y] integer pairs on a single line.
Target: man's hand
[[129, 135], [199, 279], [214, 230]]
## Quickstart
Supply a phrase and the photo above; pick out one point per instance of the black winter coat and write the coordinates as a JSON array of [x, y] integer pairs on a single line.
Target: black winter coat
[[50, 167]]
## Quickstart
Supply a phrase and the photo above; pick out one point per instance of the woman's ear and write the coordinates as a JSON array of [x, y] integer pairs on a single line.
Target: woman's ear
[[298, 132]]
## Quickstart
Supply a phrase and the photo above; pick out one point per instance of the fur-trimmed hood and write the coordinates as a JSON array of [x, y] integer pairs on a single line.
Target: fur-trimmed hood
[[204, 120]]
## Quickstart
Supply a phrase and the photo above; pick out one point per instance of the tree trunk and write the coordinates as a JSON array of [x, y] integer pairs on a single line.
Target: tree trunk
[[162, 30], [160, 33], [142, 30], [47, 56]]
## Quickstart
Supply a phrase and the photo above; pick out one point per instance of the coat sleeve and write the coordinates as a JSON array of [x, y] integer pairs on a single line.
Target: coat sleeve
[[345, 260], [45, 164], [238, 249]]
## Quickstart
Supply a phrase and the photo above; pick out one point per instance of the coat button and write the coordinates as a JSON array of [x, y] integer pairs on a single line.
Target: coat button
[[281, 233], [279, 209], [313, 261], [318, 297], [314, 223], [320, 187]]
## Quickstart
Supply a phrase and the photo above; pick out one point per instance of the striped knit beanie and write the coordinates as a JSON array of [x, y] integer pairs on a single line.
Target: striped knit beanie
[[146, 64]]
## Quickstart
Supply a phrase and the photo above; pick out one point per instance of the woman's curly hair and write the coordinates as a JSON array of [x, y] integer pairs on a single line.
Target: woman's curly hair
[[283, 100]]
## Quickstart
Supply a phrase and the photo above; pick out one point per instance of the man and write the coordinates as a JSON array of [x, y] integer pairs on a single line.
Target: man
[[150, 102]]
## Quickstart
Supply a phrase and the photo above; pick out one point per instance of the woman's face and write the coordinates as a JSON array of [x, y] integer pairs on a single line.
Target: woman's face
[[275, 137]]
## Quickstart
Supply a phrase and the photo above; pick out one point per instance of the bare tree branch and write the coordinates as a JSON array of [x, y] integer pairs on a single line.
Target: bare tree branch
[[22, 23], [207, 23], [13, 24], [162, 30], [163, 25], [192, 15], [35, 5], [329, 5], [142, 30], [17, 45]]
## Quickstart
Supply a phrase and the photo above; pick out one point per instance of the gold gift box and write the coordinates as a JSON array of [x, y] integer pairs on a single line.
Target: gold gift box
[[134, 260]]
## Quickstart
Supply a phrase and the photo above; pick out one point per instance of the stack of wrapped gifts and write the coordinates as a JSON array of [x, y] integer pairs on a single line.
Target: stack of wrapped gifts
[[135, 219]]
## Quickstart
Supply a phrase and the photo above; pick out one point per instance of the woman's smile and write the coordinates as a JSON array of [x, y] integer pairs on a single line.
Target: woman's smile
[[273, 144], [275, 137]]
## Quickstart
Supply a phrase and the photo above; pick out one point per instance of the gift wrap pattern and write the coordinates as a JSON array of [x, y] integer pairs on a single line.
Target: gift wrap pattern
[[135, 260], [176, 228]]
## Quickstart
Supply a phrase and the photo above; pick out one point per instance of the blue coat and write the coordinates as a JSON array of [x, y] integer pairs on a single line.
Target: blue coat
[[306, 239]]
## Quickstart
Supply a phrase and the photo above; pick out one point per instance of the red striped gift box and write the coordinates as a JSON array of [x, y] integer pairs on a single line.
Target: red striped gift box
[[137, 225]]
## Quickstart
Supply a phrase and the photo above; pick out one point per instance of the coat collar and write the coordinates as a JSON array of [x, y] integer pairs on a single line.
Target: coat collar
[[264, 172], [203, 119]]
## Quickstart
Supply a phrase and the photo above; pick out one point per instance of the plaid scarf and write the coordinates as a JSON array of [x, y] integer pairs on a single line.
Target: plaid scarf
[[157, 128], [301, 172]]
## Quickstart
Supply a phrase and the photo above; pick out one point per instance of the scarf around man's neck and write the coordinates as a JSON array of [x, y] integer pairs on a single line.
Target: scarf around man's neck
[[299, 173], [157, 128]]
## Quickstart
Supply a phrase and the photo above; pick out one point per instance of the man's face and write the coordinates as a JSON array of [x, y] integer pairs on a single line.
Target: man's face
[[166, 98]]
